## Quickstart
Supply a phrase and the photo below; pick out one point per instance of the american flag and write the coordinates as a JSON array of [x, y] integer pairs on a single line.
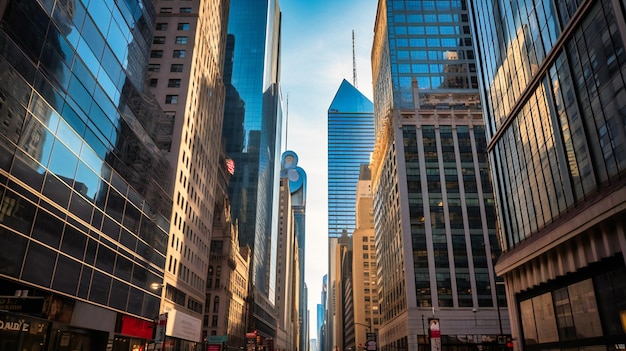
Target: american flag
[[230, 165]]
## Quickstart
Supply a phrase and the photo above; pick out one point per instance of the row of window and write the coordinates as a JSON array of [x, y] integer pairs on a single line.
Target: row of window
[[428, 18], [171, 83], [175, 53], [180, 39], [174, 67], [402, 30], [414, 5], [165, 25], [180, 10]]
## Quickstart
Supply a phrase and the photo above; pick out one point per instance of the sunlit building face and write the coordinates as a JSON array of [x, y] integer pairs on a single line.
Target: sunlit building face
[[554, 97]]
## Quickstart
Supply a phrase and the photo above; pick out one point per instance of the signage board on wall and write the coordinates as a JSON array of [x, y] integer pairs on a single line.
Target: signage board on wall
[[435, 334]]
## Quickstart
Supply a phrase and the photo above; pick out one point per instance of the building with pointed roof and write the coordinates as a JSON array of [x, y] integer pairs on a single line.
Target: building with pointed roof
[[350, 143]]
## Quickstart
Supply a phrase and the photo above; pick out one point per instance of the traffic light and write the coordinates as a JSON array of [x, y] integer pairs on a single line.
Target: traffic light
[[509, 344]]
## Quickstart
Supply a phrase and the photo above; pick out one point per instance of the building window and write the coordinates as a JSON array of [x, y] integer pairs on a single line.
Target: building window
[[166, 10], [214, 322], [216, 304], [171, 99], [158, 40], [183, 26], [185, 10], [156, 53], [173, 83], [161, 26], [153, 82], [176, 68], [179, 53], [153, 67], [181, 40]]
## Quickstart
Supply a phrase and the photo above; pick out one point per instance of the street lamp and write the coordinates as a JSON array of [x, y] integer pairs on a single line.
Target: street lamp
[[156, 286], [369, 327]]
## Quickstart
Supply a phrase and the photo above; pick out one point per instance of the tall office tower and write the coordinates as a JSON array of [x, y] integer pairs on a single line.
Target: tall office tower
[[350, 143], [433, 203], [365, 284], [185, 75], [252, 130], [297, 186], [84, 192], [553, 75], [287, 267], [341, 313]]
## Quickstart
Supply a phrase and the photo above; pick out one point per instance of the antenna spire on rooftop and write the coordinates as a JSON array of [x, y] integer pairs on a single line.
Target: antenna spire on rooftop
[[354, 82]]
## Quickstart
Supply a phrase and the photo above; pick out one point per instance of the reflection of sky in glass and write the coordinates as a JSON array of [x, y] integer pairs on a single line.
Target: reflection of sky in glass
[[60, 157]]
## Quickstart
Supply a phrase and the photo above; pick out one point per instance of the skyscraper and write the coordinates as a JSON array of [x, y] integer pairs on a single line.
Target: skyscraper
[[322, 312], [287, 265], [297, 186], [365, 284], [185, 75], [553, 75], [252, 130], [350, 143], [85, 193], [433, 203]]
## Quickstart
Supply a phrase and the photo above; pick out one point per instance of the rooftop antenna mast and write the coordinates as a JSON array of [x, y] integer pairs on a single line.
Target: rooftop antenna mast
[[353, 63], [287, 122]]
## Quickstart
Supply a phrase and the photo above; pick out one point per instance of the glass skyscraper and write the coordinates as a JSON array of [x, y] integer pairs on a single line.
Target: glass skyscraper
[[350, 143], [252, 130], [84, 191], [553, 77], [434, 212]]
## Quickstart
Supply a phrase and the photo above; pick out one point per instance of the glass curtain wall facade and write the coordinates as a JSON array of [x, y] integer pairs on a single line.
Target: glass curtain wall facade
[[553, 79], [350, 143], [435, 227], [252, 130], [84, 191]]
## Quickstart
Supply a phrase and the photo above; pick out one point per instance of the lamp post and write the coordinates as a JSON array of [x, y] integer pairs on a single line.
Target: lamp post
[[369, 327], [369, 330]]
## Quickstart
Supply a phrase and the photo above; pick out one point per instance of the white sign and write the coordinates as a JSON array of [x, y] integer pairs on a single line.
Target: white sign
[[20, 326], [183, 326]]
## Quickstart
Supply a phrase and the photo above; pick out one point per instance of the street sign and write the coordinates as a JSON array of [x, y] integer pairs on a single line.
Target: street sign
[[21, 304], [216, 339]]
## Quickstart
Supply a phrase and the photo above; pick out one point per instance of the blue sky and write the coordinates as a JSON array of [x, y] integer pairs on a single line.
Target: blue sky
[[316, 57]]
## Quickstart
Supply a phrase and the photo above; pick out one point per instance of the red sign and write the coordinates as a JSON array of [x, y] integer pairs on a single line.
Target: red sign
[[214, 347], [132, 326]]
